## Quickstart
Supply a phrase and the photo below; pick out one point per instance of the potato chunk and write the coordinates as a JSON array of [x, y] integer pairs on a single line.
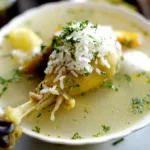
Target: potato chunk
[[24, 39]]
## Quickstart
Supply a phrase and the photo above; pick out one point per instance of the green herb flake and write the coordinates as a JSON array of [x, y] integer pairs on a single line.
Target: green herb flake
[[39, 115], [141, 74], [118, 141], [109, 84], [86, 110], [83, 93], [118, 77], [97, 135], [43, 46], [74, 86], [4, 82], [106, 128], [127, 78], [127, 43], [137, 105], [58, 136], [36, 129], [76, 136]]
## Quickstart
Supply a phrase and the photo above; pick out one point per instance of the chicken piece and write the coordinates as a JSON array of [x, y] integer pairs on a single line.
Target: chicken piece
[[77, 85], [128, 39]]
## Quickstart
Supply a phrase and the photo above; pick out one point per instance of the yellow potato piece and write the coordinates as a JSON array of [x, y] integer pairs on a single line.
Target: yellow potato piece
[[23, 39]]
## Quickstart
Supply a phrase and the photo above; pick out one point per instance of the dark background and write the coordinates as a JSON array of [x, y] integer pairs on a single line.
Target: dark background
[[143, 6]]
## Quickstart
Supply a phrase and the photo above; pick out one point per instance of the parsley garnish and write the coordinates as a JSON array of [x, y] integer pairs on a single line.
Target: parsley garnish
[[98, 134], [137, 105], [73, 86], [86, 73], [127, 43], [105, 128], [39, 115], [109, 84], [127, 78], [118, 141], [36, 129], [141, 74], [4, 82], [83, 93], [43, 46], [76, 136]]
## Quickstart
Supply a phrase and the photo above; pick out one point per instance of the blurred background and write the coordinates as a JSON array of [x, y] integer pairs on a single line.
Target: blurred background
[[11, 8]]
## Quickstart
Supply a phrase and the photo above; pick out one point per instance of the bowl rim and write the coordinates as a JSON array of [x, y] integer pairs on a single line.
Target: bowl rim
[[135, 17]]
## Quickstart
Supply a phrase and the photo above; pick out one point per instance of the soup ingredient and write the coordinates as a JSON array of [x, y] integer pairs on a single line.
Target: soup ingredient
[[28, 50], [5, 82], [135, 62], [139, 103], [128, 39], [106, 128], [36, 129], [97, 135], [24, 39], [76, 136]]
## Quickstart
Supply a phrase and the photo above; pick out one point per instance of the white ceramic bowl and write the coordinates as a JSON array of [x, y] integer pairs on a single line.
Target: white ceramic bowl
[[135, 17]]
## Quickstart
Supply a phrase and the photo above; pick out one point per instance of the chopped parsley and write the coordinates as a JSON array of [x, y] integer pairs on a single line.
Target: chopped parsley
[[76, 136], [58, 136], [36, 129], [73, 86], [118, 141], [126, 77], [127, 43], [106, 128], [83, 93], [39, 115], [109, 84], [139, 103], [98, 134], [141, 74], [4, 82], [43, 46]]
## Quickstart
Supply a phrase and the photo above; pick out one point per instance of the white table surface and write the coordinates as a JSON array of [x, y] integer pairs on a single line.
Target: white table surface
[[136, 141]]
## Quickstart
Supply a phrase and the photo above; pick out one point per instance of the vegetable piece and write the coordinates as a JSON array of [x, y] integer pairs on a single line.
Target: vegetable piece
[[128, 39], [28, 50], [23, 39]]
